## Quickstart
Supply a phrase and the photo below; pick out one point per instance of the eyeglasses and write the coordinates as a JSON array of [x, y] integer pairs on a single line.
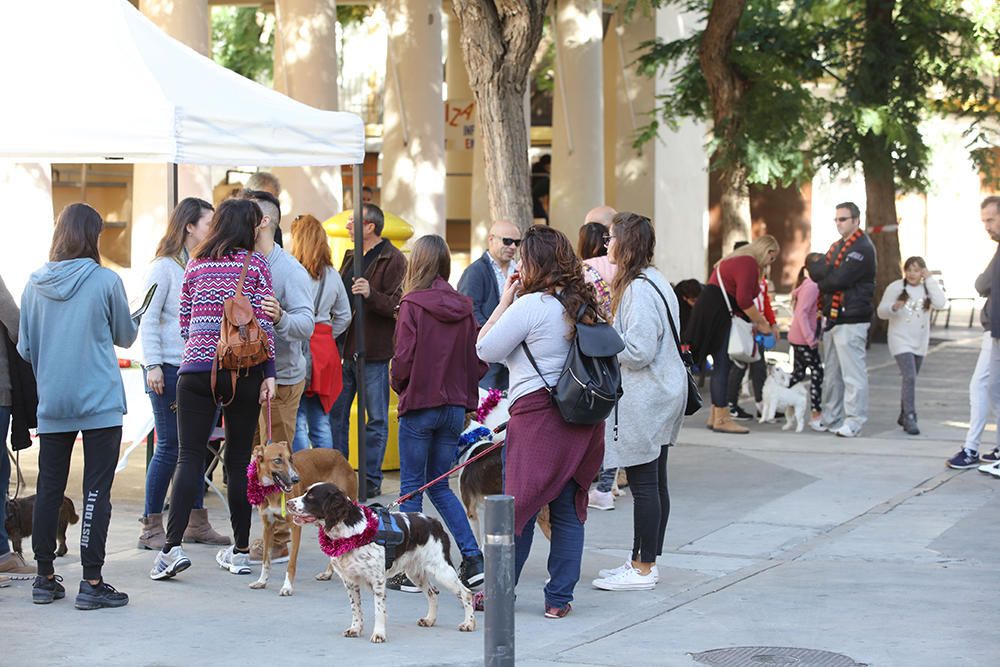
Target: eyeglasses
[[508, 241], [845, 218], [607, 239]]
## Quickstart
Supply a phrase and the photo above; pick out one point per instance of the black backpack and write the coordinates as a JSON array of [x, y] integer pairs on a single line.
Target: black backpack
[[590, 384]]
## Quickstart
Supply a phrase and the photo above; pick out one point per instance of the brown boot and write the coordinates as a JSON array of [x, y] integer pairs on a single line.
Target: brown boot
[[152, 535], [200, 530], [723, 423]]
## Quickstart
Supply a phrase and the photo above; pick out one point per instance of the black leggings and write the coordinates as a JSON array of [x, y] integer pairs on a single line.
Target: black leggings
[[808, 357], [648, 483], [196, 415], [758, 375], [100, 456]]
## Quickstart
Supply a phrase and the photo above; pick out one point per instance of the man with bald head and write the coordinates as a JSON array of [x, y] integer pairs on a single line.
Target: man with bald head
[[601, 214], [484, 281]]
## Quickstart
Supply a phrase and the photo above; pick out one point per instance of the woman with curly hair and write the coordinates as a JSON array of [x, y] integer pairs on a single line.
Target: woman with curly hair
[[548, 461]]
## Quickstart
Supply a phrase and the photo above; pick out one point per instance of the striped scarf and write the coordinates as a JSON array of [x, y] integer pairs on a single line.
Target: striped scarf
[[838, 296]]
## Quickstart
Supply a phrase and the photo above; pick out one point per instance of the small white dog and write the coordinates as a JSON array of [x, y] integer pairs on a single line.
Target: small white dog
[[778, 396]]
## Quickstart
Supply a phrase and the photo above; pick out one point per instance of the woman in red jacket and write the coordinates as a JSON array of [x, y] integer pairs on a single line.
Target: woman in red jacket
[[435, 371], [708, 330]]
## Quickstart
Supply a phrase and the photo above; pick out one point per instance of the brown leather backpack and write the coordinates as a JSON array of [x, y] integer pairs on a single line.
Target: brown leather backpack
[[242, 341]]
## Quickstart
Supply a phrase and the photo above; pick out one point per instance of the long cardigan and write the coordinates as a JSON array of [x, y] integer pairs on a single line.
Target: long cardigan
[[653, 376]]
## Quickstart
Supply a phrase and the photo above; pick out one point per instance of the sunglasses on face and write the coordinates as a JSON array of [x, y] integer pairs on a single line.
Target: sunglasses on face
[[509, 241], [607, 239], [844, 219]]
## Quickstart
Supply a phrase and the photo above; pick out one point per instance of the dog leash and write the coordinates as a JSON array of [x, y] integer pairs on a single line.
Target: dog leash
[[402, 499]]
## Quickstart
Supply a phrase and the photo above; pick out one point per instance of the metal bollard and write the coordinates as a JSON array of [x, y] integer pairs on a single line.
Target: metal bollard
[[499, 586]]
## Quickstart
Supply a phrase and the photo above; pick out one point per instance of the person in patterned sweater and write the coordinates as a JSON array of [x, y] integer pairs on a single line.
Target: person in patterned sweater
[[211, 277]]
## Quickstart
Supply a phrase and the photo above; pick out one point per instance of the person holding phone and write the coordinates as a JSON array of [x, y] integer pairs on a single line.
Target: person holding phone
[[163, 347]]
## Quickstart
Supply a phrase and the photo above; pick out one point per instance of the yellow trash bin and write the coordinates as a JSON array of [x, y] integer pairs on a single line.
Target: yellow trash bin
[[398, 231]]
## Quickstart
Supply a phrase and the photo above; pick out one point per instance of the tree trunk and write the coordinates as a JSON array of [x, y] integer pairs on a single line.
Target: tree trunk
[[876, 157], [726, 88], [734, 209], [499, 39]]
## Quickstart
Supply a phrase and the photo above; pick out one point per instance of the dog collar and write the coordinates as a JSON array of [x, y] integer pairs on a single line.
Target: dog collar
[[342, 545], [257, 493]]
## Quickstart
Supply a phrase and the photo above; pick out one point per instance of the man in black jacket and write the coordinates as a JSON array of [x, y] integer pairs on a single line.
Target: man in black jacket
[[484, 281], [846, 279]]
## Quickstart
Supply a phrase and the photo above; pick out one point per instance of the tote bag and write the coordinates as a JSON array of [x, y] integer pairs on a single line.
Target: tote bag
[[742, 346]]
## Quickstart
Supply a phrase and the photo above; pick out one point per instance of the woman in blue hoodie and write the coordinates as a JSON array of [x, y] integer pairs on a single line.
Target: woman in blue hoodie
[[73, 314]]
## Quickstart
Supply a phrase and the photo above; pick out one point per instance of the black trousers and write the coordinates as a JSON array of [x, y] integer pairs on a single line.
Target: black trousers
[[651, 507], [758, 375], [100, 456], [196, 415]]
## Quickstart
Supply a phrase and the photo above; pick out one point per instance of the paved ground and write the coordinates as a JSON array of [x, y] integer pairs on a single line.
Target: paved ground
[[869, 548]]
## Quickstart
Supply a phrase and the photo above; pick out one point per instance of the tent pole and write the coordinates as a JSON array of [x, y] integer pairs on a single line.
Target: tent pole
[[172, 187], [359, 334]]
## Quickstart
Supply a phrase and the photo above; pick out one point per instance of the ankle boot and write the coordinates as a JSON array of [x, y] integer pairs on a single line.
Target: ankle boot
[[200, 530], [723, 422], [152, 535]]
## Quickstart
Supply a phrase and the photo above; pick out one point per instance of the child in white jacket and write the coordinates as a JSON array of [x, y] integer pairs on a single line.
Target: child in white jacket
[[906, 304]]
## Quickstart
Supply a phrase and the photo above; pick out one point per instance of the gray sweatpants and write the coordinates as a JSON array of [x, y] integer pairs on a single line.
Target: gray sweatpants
[[909, 368], [845, 378]]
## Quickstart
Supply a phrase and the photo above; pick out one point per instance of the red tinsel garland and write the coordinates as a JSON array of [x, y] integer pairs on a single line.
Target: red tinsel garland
[[340, 546], [257, 493]]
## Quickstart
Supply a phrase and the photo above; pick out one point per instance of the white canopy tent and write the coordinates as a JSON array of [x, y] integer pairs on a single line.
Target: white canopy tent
[[91, 81], [97, 81]]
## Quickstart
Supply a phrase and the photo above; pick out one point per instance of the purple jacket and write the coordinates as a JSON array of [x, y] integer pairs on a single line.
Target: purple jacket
[[435, 362]]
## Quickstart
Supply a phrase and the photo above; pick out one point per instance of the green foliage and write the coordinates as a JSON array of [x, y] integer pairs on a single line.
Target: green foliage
[[240, 43], [348, 14], [824, 83], [774, 56]]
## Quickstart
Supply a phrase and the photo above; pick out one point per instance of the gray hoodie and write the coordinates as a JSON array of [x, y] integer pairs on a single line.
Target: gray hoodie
[[293, 288], [73, 313]]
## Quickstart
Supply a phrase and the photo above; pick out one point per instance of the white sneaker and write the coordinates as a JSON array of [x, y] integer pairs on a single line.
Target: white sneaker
[[600, 500], [236, 563], [991, 469], [169, 564], [625, 567], [847, 431], [628, 580], [818, 425]]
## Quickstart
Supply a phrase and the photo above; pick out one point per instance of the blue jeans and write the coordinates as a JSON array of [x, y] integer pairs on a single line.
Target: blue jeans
[[376, 409], [311, 425], [4, 478], [428, 444], [565, 551], [161, 466]]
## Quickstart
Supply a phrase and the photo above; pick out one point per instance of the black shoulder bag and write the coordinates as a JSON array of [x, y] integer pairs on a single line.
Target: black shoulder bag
[[694, 401]]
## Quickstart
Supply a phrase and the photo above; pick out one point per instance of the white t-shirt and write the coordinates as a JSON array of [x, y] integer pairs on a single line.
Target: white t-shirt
[[540, 321]]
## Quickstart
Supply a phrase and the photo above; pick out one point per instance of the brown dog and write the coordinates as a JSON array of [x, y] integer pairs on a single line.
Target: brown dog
[[20, 512], [294, 474], [484, 477]]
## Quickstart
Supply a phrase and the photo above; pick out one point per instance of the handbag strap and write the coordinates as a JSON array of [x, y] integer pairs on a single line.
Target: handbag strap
[[670, 318], [319, 293], [722, 286], [243, 273]]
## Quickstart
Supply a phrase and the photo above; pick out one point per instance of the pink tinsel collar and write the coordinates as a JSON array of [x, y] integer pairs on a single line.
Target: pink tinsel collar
[[257, 493], [490, 401], [340, 546]]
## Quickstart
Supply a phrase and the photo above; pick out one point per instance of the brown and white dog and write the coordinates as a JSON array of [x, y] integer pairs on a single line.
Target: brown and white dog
[[293, 474], [19, 515], [424, 554]]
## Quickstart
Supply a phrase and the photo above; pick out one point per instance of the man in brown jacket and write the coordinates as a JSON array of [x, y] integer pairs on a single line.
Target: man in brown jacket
[[380, 284]]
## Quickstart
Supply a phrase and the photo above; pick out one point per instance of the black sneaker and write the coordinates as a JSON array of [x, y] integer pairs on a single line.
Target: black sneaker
[[963, 460], [471, 571], [739, 414], [99, 596], [373, 491], [45, 590], [991, 457], [401, 582]]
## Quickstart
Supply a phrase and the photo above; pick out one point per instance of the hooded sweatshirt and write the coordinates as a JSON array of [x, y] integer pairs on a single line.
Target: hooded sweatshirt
[[73, 313], [435, 362]]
